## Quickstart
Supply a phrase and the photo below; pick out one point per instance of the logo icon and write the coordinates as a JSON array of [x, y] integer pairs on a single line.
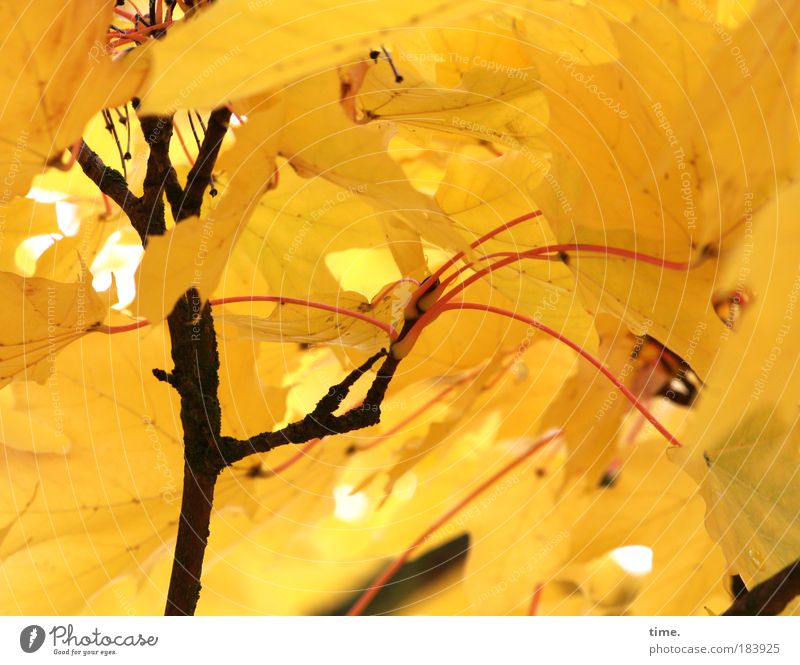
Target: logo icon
[[31, 638]]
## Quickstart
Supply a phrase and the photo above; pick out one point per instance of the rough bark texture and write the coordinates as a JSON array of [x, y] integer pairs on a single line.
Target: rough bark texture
[[190, 547], [112, 183], [195, 377]]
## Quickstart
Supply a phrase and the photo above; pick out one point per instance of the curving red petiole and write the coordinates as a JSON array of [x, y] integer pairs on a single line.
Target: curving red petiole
[[580, 351], [282, 300], [388, 574]]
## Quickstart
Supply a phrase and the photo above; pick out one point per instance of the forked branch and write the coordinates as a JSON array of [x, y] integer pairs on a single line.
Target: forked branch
[[195, 375], [322, 421], [200, 176]]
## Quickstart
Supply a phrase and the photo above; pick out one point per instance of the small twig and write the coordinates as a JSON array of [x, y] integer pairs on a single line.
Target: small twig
[[337, 394], [112, 128], [322, 421], [770, 597], [194, 130], [111, 182], [398, 77], [163, 375], [200, 175]]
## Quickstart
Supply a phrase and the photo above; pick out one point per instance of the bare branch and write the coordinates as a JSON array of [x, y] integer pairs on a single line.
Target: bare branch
[[160, 178], [195, 375], [200, 175], [322, 421], [112, 183], [196, 369]]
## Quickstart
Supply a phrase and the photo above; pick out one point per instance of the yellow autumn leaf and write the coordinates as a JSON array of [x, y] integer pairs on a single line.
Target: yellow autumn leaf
[[57, 75], [568, 223], [482, 196], [417, 448], [643, 163], [240, 48], [22, 220], [489, 106], [44, 317], [591, 412], [747, 464], [309, 127], [122, 467], [122, 460], [345, 319], [648, 506], [296, 228], [576, 30]]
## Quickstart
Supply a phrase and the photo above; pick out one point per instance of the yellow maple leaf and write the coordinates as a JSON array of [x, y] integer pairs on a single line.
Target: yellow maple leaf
[[44, 317], [244, 47], [57, 75], [742, 441]]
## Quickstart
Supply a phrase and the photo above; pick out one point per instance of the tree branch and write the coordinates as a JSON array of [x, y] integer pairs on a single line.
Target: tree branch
[[193, 530], [196, 379], [195, 375], [322, 421], [770, 597], [200, 175], [111, 182], [160, 178]]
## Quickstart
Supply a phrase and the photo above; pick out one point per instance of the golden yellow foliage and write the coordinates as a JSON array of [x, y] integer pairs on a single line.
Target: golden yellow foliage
[[747, 464], [58, 74], [562, 232]]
